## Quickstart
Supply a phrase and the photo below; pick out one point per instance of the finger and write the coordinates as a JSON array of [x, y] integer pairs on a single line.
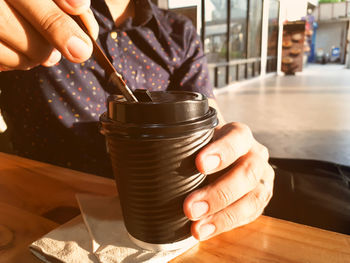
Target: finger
[[90, 22], [11, 59], [81, 8], [233, 141], [21, 36], [74, 7], [57, 27], [245, 210], [242, 178], [3, 68], [54, 58], [261, 150]]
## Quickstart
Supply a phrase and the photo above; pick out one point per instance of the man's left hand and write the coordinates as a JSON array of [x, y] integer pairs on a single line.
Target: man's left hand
[[243, 189]]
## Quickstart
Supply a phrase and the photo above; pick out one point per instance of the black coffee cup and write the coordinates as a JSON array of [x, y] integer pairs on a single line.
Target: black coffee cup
[[153, 146]]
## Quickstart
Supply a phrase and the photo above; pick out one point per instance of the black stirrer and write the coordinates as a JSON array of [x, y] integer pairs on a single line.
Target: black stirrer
[[104, 62]]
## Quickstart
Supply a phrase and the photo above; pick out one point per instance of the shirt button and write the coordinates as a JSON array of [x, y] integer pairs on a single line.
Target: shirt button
[[114, 35]]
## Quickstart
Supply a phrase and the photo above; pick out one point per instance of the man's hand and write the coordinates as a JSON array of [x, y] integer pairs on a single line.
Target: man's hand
[[40, 31], [243, 190]]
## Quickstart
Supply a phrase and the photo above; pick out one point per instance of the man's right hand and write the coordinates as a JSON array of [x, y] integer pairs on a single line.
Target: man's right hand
[[38, 32]]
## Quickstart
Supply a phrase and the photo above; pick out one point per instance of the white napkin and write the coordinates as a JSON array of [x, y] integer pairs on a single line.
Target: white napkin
[[68, 243], [99, 237]]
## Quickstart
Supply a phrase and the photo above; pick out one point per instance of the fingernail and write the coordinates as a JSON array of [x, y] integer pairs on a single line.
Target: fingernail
[[54, 57], [78, 3], [78, 48], [199, 209], [211, 162], [206, 230]]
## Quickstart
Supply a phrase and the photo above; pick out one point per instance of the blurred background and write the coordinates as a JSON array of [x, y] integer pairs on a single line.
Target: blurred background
[[280, 66]]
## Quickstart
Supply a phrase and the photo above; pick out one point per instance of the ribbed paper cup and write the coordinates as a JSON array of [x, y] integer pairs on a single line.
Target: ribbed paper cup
[[152, 146]]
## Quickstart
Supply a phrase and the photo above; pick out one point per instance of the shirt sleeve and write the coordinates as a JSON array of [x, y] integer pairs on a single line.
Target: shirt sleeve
[[193, 74]]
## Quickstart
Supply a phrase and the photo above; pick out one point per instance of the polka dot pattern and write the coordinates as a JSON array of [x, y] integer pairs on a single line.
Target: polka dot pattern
[[55, 110]]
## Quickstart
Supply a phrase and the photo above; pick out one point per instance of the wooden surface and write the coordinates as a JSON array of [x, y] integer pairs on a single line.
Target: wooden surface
[[36, 197]]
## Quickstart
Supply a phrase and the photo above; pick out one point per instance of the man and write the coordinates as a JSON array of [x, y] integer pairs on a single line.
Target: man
[[52, 111]]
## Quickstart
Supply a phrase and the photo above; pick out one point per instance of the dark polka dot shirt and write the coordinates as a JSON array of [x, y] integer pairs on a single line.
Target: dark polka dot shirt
[[53, 112]]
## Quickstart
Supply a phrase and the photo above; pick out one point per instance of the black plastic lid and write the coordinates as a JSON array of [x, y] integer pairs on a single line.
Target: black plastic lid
[[166, 108], [170, 113]]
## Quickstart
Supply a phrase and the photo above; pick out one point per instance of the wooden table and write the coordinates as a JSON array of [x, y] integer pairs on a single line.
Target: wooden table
[[37, 197]]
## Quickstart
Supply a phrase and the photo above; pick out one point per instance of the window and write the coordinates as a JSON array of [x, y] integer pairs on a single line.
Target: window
[[255, 21], [273, 28], [216, 30], [231, 33], [238, 29], [272, 36], [189, 8]]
